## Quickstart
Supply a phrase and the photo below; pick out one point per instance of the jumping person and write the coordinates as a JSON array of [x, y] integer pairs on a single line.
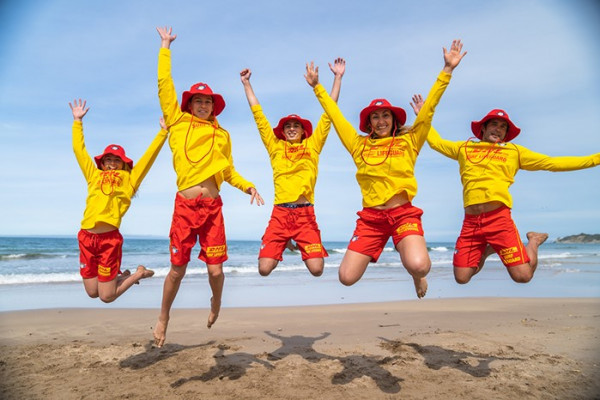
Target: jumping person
[[488, 165], [112, 181], [294, 150], [202, 160], [385, 161]]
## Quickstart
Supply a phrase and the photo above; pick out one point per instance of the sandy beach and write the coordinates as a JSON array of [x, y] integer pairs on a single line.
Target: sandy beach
[[476, 348]]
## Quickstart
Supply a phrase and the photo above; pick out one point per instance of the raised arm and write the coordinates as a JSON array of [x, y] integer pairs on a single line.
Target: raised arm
[[338, 68], [166, 36], [245, 78], [88, 167], [141, 168]]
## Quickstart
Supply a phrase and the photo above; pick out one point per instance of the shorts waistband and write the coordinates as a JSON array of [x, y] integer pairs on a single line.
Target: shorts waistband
[[294, 205], [387, 210], [488, 214], [200, 200]]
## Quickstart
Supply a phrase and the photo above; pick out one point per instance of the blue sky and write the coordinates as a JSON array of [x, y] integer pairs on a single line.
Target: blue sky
[[536, 59]]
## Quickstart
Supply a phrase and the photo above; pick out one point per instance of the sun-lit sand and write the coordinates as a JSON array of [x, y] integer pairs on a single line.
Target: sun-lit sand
[[491, 348]]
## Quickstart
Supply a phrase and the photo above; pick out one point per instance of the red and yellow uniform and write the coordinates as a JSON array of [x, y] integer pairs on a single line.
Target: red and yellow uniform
[[487, 170], [201, 150], [295, 169], [109, 198], [385, 168]]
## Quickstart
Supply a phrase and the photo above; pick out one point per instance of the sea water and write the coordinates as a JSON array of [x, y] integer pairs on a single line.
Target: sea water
[[43, 272]]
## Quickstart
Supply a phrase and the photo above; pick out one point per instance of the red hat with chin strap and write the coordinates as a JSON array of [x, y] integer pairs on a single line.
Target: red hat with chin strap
[[115, 150], [512, 132], [202, 88], [379, 104], [306, 125]]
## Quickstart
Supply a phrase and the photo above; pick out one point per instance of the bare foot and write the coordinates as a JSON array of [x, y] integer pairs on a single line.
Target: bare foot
[[291, 246], [537, 238], [145, 273], [123, 275], [420, 286], [215, 307], [160, 332]]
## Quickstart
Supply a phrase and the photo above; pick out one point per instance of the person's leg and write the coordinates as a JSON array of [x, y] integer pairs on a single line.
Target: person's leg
[[91, 287], [352, 267], [273, 241], [415, 258], [523, 273], [470, 251], [315, 266], [170, 289], [266, 265], [307, 236], [111, 290], [216, 280]]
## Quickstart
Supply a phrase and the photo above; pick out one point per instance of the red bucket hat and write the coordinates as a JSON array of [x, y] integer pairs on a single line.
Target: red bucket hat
[[306, 125], [379, 104], [203, 88], [512, 133], [115, 150]]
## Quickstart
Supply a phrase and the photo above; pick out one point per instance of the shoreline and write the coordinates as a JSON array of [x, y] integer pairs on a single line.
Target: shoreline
[[497, 348]]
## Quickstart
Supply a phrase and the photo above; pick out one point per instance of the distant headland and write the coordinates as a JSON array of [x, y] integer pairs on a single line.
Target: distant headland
[[581, 238]]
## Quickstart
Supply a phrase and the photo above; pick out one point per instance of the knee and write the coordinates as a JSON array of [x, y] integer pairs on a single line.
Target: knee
[[419, 267], [462, 279], [107, 299], [177, 272], [347, 279], [215, 273], [522, 278], [266, 266], [317, 272]]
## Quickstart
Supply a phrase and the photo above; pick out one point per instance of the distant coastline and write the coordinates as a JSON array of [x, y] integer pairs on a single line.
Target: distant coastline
[[581, 238]]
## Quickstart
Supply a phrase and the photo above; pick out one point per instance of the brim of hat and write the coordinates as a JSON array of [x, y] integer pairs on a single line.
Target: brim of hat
[[398, 112], [218, 102], [306, 125], [126, 160], [513, 130]]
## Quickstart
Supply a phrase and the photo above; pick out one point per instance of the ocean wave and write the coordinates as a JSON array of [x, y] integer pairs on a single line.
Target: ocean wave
[[19, 279], [338, 251], [29, 256], [558, 255], [438, 248]]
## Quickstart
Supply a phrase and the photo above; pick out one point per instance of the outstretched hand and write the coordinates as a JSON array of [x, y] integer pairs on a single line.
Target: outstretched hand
[[79, 109], [166, 36], [417, 103], [254, 195], [339, 67], [453, 57], [312, 74]]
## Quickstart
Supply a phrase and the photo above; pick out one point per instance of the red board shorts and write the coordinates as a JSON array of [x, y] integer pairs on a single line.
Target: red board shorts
[[199, 219], [293, 221], [100, 254], [374, 228], [495, 228]]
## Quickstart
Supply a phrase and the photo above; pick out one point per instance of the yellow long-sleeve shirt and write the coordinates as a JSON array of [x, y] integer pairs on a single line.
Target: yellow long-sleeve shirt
[[295, 165], [110, 192], [200, 148], [488, 169], [385, 169]]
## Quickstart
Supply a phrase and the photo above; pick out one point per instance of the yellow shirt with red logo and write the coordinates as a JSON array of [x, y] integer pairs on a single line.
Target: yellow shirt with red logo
[[385, 167], [295, 165], [201, 149], [110, 192], [488, 169]]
